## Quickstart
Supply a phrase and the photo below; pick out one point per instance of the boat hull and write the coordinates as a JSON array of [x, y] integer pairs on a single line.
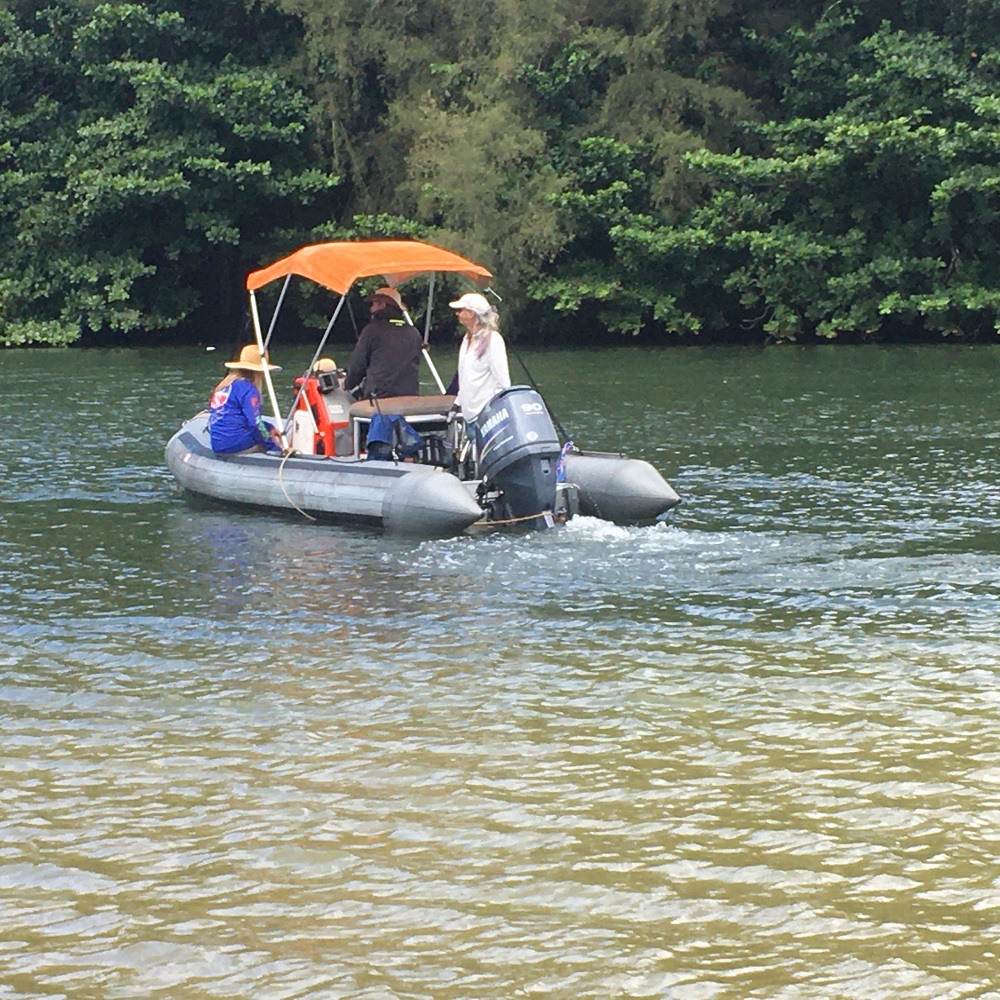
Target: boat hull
[[400, 497], [620, 489]]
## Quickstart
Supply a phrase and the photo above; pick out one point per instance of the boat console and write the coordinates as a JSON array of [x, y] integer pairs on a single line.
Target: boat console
[[321, 419]]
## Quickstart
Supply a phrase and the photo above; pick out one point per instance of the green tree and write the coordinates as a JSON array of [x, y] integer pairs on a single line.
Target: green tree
[[873, 209], [421, 115], [484, 125], [142, 167], [781, 165]]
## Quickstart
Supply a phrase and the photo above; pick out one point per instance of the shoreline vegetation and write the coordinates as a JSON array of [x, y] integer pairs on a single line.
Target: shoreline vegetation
[[721, 172]]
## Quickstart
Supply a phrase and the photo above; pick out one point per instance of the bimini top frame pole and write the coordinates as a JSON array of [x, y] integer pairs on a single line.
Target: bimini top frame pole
[[267, 373], [277, 309], [427, 333], [338, 266], [427, 329], [315, 358]]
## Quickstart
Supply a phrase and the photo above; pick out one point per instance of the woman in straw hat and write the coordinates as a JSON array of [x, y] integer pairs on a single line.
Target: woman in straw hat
[[234, 421]]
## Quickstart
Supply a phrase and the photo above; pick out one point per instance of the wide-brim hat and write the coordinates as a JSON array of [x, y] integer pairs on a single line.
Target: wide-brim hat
[[474, 301], [388, 293], [250, 359]]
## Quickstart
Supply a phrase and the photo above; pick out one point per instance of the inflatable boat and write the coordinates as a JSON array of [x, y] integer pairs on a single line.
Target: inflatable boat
[[406, 463]]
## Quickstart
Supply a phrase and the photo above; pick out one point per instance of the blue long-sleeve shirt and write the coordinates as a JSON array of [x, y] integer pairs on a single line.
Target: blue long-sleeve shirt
[[234, 420]]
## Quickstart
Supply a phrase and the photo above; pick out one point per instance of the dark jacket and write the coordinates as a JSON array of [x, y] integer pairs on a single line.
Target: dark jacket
[[386, 359]]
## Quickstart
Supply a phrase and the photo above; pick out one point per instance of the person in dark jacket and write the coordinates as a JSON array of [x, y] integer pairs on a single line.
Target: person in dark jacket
[[234, 418], [386, 360]]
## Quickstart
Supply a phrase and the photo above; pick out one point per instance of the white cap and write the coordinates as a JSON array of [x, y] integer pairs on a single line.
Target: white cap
[[474, 301]]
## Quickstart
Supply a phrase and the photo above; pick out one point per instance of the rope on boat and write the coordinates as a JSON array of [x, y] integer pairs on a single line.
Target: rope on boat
[[281, 482], [526, 517]]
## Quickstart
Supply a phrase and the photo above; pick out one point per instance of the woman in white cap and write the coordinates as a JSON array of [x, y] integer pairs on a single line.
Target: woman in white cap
[[482, 358], [234, 420]]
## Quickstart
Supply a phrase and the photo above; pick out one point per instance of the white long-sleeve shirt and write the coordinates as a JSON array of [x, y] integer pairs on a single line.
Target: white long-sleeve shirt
[[481, 378]]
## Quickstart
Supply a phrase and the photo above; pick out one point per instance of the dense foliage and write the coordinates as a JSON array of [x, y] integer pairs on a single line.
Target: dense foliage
[[146, 154], [781, 168], [875, 206]]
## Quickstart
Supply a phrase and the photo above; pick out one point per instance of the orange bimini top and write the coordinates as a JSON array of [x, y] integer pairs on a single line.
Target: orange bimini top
[[338, 265]]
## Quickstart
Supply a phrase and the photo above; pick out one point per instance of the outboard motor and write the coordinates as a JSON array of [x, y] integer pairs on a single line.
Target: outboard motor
[[518, 452]]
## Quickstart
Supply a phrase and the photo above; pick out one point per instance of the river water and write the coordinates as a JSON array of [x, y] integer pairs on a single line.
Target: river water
[[753, 752]]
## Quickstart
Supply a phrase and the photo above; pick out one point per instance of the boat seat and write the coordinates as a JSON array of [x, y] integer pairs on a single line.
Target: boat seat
[[425, 413], [407, 406]]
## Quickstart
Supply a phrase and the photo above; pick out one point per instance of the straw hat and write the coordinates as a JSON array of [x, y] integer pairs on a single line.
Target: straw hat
[[388, 293], [326, 365], [250, 360]]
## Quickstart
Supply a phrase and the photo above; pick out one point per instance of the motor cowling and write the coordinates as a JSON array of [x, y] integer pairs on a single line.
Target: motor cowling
[[518, 452]]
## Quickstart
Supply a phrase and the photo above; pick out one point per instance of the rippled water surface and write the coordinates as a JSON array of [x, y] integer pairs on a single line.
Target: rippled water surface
[[753, 752]]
